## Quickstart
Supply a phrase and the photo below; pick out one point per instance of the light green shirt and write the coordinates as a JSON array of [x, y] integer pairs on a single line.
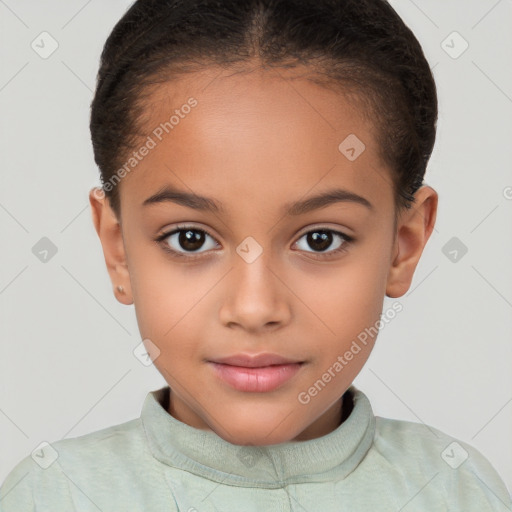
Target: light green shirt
[[157, 463]]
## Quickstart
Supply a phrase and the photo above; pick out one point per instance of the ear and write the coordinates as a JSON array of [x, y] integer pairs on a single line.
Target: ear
[[109, 230], [414, 228]]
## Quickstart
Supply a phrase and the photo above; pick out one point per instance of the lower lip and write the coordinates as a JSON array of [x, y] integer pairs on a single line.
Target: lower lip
[[260, 380]]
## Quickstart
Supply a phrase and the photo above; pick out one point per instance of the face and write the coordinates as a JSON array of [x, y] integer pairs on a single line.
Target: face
[[249, 265]]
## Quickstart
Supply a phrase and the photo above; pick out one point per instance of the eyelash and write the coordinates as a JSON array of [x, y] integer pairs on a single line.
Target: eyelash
[[191, 256]]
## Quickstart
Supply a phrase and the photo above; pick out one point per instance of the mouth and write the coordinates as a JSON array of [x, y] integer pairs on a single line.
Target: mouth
[[255, 360], [261, 373]]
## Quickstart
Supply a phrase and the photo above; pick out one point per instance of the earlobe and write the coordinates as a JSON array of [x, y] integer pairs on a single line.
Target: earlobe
[[109, 231], [413, 231]]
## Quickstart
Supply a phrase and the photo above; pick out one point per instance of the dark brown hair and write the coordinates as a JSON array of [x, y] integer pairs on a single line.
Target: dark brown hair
[[360, 46]]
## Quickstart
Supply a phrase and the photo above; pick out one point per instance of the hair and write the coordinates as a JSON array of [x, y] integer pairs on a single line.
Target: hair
[[360, 47]]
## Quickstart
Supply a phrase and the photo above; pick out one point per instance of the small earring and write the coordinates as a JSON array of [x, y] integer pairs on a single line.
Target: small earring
[[120, 289]]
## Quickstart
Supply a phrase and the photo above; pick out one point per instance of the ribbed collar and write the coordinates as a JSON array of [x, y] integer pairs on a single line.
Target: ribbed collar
[[205, 454]]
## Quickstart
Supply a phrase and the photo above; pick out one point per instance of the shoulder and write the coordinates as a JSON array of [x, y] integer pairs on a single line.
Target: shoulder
[[53, 474], [458, 470]]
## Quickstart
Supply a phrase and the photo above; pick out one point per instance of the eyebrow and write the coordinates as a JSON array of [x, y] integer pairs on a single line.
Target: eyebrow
[[207, 204]]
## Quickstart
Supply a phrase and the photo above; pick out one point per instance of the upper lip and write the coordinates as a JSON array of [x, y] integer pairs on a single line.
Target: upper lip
[[254, 360]]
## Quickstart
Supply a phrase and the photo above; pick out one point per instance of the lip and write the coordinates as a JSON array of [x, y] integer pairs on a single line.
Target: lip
[[259, 373], [255, 360]]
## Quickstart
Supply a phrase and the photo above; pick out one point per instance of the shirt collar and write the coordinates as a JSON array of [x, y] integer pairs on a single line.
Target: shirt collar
[[205, 454]]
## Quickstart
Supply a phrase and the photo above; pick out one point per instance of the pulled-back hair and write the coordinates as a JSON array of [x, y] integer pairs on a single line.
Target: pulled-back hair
[[359, 46]]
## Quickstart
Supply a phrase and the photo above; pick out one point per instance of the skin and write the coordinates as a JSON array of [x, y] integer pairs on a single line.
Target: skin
[[255, 142]]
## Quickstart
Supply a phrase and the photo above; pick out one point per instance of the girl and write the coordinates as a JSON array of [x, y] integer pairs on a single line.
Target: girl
[[262, 169]]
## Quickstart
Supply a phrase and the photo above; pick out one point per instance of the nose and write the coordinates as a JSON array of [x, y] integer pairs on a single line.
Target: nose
[[255, 297]]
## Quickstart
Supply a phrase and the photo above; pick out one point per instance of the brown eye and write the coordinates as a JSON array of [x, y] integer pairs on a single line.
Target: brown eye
[[186, 239], [191, 239], [320, 240]]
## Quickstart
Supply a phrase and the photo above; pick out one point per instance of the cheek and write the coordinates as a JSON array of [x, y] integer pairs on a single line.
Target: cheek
[[170, 299], [344, 299], [166, 310], [163, 305], [159, 297]]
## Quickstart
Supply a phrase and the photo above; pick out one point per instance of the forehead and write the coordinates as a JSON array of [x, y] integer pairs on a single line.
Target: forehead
[[260, 137]]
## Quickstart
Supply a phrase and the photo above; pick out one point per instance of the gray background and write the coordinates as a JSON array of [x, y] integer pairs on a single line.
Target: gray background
[[66, 362]]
